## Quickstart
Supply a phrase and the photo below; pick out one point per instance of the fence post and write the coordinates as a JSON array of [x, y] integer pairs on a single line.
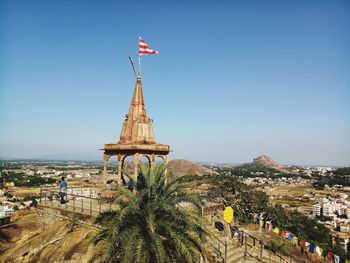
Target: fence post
[[261, 249], [225, 249], [245, 244], [41, 192], [74, 203], [82, 200], [90, 202]]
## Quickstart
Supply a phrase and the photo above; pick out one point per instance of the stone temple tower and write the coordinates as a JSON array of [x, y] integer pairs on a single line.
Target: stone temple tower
[[136, 138]]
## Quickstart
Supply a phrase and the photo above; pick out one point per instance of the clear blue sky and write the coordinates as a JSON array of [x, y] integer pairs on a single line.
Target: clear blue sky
[[233, 79]]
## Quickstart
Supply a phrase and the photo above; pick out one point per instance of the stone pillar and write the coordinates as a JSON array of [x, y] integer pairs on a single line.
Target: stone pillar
[[152, 162], [136, 166], [166, 161], [104, 179], [120, 167]]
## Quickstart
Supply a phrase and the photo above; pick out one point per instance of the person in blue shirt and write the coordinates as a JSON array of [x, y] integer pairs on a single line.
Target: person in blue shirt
[[131, 185], [63, 190]]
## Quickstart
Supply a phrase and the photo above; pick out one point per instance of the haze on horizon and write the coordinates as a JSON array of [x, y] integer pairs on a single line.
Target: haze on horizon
[[232, 80]]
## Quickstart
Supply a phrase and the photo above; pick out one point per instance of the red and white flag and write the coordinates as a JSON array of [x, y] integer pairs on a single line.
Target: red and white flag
[[144, 49]]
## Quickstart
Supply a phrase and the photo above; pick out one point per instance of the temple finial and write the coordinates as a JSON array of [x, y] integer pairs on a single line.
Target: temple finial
[[137, 127]]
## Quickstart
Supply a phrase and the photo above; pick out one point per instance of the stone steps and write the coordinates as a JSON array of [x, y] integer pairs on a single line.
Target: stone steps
[[235, 251]]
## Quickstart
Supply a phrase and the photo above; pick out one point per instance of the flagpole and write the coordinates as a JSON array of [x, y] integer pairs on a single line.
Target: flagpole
[[132, 64], [140, 65]]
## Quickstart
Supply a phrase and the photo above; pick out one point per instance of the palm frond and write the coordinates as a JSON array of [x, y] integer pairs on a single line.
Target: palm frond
[[159, 223]]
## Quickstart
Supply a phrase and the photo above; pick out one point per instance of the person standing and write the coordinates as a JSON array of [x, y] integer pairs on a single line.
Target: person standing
[[131, 185], [63, 190]]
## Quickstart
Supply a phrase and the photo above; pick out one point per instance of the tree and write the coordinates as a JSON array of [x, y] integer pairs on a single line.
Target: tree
[[340, 251], [254, 201], [228, 187], [278, 215], [159, 223]]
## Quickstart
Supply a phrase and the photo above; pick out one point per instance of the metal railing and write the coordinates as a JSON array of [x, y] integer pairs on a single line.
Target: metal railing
[[253, 247], [78, 199]]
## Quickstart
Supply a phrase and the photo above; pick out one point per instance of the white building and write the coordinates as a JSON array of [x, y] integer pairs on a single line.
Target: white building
[[316, 209], [329, 209], [6, 211]]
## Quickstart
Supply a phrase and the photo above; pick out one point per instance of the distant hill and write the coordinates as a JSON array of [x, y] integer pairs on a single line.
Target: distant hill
[[184, 167], [266, 162]]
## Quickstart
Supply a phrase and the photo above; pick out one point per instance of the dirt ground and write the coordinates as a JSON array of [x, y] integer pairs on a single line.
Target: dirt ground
[[27, 239]]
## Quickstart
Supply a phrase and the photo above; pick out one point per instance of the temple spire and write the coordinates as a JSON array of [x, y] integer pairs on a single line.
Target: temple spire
[[137, 127]]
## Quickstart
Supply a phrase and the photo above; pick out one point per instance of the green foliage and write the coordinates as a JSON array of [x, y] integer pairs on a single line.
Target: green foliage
[[342, 171], [8, 195], [21, 179], [324, 218], [279, 247], [307, 228], [340, 251], [320, 184], [159, 223], [300, 225], [34, 203], [248, 201], [241, 216], [243, 171], [227, 187], [330, 181], [253, 171], [278, 214], [339, 177], [72, 224], [253, 201]]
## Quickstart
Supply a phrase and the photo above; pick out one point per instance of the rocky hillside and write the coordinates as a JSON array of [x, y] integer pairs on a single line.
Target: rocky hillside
[[28, 239], [266, 162], [184, 167]]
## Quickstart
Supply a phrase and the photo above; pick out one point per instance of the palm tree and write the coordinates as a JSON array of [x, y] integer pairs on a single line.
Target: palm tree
[[158, 223]]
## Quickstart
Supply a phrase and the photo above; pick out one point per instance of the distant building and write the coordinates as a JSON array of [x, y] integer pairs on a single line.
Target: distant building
[[341, 239], [9, 184], [329, 209], [6, 211], [343, 228], [317, 210]]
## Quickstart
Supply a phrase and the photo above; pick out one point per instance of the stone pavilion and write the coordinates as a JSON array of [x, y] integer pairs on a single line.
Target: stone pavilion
[[136, 138]]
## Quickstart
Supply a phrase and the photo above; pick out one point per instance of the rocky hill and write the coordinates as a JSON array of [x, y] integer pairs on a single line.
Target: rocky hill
[[183, 167], [266, 162], [28, 239]]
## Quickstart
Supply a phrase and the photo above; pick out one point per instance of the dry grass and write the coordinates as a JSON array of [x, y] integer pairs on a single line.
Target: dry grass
[[297, 191]]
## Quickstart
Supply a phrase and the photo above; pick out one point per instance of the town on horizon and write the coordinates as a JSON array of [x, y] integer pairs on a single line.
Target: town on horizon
[[232, 146]]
